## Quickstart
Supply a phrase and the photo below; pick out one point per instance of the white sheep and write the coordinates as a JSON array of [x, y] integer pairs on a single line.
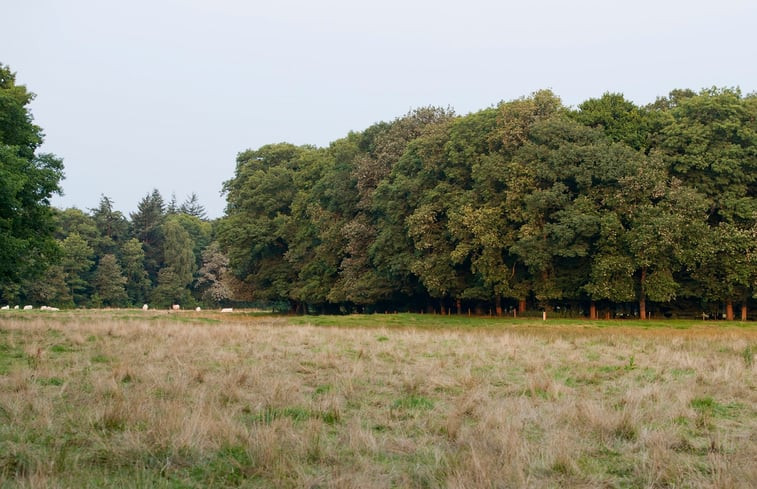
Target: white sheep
[[16, 308], [5, 308], [175, 307], [145, 307], [28, 308], [227, 309], [198, 309]]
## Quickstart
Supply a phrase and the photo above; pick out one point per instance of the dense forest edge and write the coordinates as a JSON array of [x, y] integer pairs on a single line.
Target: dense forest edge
[[608, 209]]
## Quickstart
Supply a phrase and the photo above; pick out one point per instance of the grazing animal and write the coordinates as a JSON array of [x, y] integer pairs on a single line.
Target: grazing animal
[[175, 307], [145, 307], [198, 309], [16, 307], [28, 308], [5, 308], [227, 309]]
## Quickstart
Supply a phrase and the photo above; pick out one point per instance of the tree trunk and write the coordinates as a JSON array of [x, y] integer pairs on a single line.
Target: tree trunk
[[459, 304], [743, 312], [593, 310], [441, 307], [729, 310], [642, 295], [498, 305], [522, 306]]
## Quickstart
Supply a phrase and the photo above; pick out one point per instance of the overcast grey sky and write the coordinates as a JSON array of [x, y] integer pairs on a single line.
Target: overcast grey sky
[[163, 94]]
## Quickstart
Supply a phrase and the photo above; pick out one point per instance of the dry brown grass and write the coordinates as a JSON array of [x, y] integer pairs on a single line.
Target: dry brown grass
[[123, 400]]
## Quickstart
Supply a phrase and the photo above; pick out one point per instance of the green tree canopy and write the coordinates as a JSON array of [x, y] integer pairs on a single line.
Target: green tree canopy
[[109, 283], [27, 182]]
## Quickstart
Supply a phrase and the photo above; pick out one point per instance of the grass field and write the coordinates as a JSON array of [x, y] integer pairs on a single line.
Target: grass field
[[158, 399]]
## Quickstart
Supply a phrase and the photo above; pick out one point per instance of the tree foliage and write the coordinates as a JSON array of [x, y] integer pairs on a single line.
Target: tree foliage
[[634, 207], [27, 182], [529, 203]]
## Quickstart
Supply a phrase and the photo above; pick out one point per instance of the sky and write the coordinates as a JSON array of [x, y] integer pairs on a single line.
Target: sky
[[164, 94]]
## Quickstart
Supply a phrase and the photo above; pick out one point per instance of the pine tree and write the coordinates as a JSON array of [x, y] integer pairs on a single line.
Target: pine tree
[[147, 223], [193, 207], [109, 282], [133, 261], [176, 276]]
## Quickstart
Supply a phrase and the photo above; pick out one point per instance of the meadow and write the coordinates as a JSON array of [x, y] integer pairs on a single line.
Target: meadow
[[184, 399]]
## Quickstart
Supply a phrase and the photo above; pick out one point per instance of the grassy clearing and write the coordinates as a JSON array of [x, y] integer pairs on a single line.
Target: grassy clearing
[[158, 399]]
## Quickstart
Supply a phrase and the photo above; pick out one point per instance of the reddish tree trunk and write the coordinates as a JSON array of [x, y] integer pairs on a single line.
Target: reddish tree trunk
[[522, 306], [592, 310], [743, 312], [729, 310], [498, 305], [459, 304]]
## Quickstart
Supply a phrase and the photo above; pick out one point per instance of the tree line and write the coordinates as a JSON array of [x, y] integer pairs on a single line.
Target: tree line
[[164, 254], [608, 208]]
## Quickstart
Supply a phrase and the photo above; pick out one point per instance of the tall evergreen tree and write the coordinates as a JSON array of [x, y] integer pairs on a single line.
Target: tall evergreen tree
[[137, 281], [191, 206], [112, 226], [109, 283], [176, 276], [147, 225]]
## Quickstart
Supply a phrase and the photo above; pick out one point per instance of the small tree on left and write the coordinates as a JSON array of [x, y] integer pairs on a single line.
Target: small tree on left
[[27, 182]]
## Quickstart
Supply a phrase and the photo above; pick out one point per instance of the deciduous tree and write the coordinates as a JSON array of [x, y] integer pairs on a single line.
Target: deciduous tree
[[27, 182]]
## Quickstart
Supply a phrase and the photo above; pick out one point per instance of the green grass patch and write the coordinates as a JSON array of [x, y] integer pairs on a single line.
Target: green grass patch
[[50, 381], [748, 356], [708, 405], [437, 321], [10, 357], [230, 466], [413, 403], [678, 373], [608, 461], [297, 414]]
